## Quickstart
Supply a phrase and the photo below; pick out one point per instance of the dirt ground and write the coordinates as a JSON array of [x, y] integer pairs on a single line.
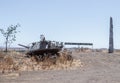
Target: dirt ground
[[97, 68]]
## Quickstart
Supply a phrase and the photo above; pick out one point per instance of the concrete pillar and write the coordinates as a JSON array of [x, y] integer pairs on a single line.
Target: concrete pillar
[[111, 44]]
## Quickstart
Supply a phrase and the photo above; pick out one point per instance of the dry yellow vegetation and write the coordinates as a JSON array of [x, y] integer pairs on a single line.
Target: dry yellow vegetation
[[16, 61]]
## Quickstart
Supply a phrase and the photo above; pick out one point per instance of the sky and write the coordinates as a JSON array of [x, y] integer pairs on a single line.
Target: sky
[[84, 21]]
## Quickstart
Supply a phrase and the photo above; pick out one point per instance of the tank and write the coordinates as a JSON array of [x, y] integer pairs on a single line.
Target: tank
[[47, 48], [43, 48]]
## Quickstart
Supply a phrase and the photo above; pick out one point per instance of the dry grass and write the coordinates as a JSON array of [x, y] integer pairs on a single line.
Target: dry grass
[[2, 55], [57, 62], [15, 61], [6, 64]]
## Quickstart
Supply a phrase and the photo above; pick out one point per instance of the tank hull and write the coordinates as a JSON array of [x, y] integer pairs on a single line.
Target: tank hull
[[43, 51]]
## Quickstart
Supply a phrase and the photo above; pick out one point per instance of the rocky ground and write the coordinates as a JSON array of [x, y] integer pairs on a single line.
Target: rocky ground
[[98, 67]]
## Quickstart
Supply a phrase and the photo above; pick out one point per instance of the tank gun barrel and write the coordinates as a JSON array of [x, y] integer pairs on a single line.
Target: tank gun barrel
[[71, 43], [24, 46]]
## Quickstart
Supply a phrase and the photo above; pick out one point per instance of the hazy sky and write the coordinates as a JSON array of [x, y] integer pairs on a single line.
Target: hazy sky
[[62, 20]]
